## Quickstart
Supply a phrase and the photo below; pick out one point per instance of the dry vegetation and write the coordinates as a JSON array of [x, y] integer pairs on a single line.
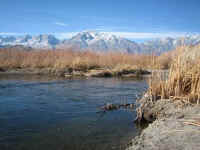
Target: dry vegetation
[[183, 81], [60, 59]]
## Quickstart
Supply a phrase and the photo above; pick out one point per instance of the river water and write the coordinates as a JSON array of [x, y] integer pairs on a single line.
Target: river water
[[43, 113]]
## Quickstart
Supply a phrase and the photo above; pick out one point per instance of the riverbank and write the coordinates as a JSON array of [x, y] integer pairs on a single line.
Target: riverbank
[[72, 63], [175, 125], [171, 105], [69, 73]]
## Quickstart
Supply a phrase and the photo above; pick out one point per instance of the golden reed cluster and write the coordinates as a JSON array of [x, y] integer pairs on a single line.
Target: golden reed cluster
[[11, 58], [183, 81]]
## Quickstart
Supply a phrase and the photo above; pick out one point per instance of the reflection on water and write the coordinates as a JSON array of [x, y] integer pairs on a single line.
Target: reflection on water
[[39, 113]]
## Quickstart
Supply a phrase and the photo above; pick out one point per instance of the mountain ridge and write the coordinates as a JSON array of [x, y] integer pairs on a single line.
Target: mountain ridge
[[99, 41]]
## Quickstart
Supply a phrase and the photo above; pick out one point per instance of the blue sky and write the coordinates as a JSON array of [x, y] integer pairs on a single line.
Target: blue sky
[[126, 18]]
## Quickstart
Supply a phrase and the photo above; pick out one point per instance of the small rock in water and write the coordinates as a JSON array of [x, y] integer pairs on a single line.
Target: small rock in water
[[109, 107]]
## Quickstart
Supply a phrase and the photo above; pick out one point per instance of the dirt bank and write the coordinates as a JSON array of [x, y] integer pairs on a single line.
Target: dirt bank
[[174, 127]]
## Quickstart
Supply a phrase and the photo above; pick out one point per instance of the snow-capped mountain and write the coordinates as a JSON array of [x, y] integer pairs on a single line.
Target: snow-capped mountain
[[161, 45], [40, 41], [106, 42], [99, 41], [102, 42]]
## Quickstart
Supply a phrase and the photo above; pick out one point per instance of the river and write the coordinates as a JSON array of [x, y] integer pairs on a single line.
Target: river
[[45, 113]]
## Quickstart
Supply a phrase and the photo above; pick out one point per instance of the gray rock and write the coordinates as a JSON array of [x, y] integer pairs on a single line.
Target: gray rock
[[168, 131]]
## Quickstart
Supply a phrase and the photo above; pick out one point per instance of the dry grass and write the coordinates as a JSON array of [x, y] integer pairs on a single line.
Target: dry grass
[[183, 81], [68, 58]]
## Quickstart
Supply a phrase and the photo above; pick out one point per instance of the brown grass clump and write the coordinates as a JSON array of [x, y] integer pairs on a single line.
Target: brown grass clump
[[183, 80], [77, 60], [58, 59]]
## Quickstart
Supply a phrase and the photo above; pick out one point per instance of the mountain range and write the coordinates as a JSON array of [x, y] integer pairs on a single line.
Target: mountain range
[[40, 41], [99, 41]]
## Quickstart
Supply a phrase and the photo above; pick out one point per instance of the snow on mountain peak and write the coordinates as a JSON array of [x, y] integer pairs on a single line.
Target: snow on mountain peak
[[92, 35], [40, 41], [101, 41]]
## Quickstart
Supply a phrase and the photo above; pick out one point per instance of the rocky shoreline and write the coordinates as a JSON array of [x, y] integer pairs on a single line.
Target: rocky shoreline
[[175, 125]]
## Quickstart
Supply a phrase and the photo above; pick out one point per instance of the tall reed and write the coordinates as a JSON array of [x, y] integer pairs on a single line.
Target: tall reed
[[183, 81]]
